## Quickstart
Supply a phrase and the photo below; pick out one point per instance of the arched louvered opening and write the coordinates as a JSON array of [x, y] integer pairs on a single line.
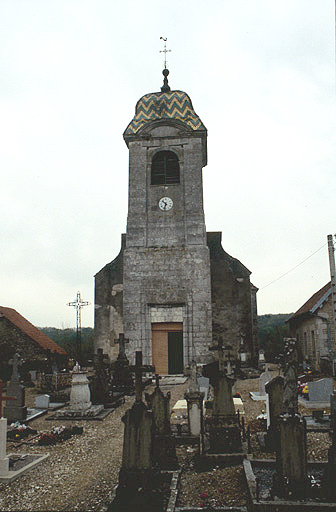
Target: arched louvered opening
[[165, 169]]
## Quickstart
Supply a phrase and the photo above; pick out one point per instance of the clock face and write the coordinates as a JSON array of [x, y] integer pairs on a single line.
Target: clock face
[[165, 204]]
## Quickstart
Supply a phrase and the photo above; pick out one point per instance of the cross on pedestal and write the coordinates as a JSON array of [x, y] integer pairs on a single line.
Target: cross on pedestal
[[220, 349], [121, 341], [4, 398], [16, 361], [224, 355], [139, 369]]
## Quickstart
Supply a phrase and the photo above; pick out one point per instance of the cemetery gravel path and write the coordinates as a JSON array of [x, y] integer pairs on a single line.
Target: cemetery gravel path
[[80, 473]]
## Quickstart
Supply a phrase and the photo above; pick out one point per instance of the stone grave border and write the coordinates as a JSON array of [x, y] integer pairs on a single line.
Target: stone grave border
[[279, 505], [12, 475]]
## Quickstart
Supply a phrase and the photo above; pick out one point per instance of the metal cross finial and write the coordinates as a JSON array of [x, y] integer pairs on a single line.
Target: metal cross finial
[[78, 304], [165, 51]]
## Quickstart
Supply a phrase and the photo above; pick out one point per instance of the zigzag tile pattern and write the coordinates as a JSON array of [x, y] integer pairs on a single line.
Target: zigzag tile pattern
[[164, 105]]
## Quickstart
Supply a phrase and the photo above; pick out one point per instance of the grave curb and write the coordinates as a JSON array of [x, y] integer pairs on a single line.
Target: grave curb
[[12, 475], [279, 505]]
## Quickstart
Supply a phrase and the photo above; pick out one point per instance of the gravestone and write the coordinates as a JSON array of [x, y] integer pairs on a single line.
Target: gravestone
[[194, 398], [265, 377], [333, 410], [224, 431], [42, 401], [274, 408], [330, 473], [80, 405], [100, 382], [15, 410], [320, 391], [164, 446], [122, 374], [4, 460], [135, 476], [204, 386], [291, 454]]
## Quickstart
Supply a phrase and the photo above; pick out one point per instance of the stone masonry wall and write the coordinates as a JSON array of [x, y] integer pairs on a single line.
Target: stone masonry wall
[[177, 277], [232, 307], [108, 323]]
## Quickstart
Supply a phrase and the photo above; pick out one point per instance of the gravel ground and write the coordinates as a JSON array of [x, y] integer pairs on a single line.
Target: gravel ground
[[81, 472]]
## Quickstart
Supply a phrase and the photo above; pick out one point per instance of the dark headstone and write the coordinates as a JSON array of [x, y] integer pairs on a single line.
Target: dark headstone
[[224, 430], [135, 477], [291, 451], [101, 381], [164, 448], [15, 410], [274, 390]]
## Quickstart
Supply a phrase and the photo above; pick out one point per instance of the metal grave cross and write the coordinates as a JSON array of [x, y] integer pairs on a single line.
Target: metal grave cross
[[121, 340], [4, 398]]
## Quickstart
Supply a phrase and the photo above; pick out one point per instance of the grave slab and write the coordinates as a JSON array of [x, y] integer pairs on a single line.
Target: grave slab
[[170, 380], [95, 412], [255, 395]]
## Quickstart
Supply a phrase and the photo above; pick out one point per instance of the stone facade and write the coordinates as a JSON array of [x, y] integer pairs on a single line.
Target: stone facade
[[109, 304], [234, 311], [313, 327], [168, 270]]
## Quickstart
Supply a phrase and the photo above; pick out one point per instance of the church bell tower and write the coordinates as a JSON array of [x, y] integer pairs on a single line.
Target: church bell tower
[[166, 267], [172, 290]]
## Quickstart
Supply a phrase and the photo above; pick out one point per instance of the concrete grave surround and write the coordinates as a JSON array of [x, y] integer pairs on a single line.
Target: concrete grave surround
[[7, 475]]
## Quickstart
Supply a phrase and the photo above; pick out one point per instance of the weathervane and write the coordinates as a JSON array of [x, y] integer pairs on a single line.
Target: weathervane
[[165, 72], [165, 51]]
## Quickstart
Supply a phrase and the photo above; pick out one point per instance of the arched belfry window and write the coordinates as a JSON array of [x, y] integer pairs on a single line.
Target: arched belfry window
[[165, 168]]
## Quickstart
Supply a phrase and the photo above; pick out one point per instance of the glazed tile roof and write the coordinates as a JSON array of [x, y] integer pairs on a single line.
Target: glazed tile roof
[[30, 330], [315, 301], [174, 105]]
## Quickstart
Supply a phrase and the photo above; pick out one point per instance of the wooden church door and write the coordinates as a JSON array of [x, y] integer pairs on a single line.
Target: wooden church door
[[167, 347]]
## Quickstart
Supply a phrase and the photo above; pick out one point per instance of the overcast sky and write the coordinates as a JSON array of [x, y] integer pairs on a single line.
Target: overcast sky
[[261, 76]]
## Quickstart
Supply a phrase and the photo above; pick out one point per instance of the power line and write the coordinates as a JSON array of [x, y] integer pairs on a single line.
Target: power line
[[291, 270]]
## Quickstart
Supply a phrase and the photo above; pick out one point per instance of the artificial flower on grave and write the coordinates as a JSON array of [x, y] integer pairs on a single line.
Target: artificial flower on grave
[[59, 434], [19, 431], [47, 439]]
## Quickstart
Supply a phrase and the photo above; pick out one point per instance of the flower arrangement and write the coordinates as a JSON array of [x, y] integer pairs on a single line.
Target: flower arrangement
[[208, 503], [19, 431], [58, 435]]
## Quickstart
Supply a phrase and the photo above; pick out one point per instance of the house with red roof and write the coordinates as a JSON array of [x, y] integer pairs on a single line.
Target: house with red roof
[[312, 325], [17, 334]]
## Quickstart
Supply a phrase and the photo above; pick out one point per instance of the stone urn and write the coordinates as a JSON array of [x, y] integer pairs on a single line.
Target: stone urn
[[80, 392]]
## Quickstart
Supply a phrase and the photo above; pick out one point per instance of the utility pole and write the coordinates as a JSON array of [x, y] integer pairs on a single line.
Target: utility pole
[[331, 251], [78, 304]]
